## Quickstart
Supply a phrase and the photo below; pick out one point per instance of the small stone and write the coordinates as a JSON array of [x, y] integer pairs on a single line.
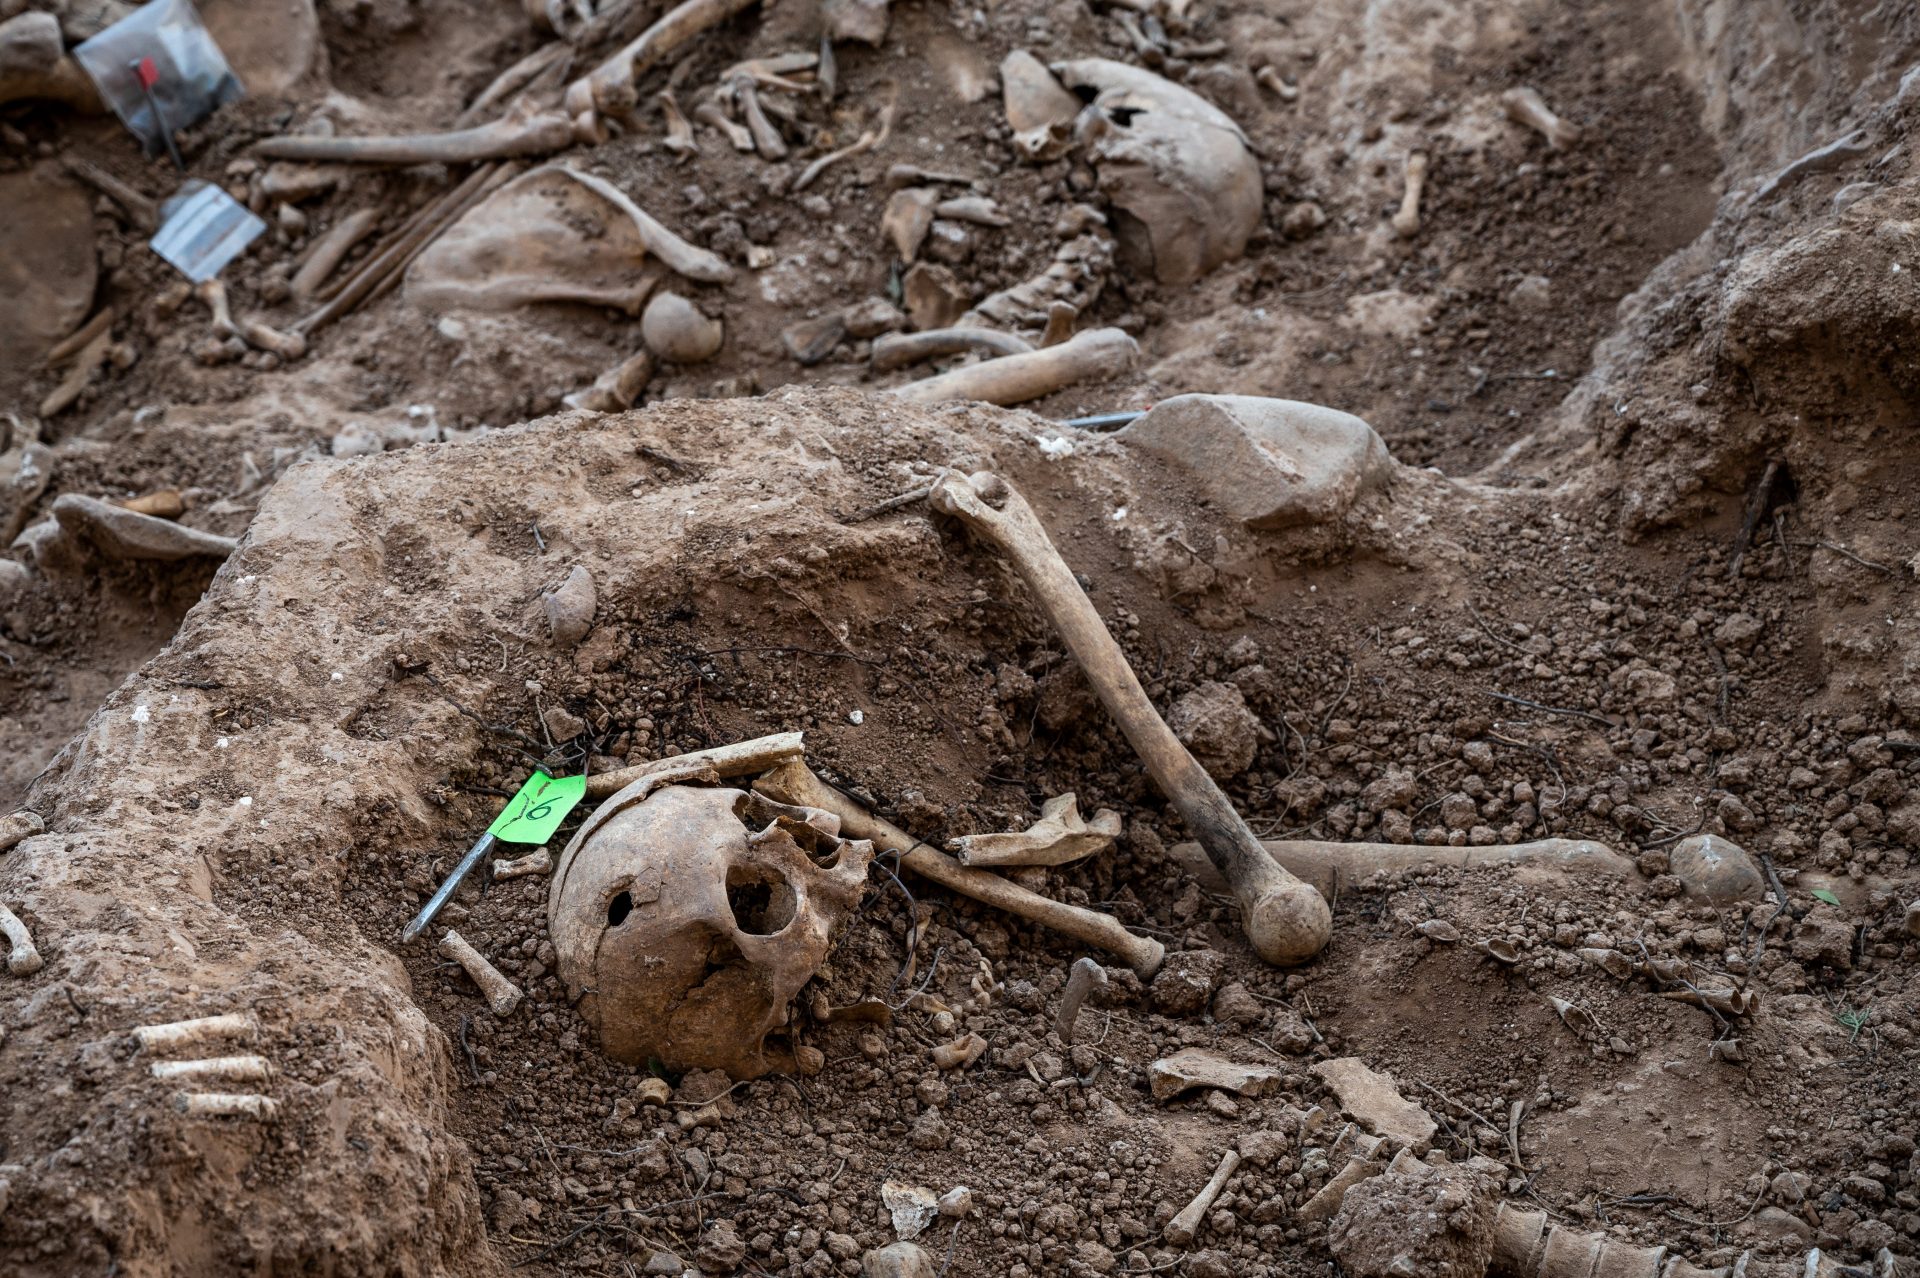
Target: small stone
[[1302, 220], [930, 1131], [561, 723], [570, 608], [1417, 1220], [1270, 463], [811, 341], [1192, 1067], [1532, 293], [873, 317], [675, 329], [1213, 721], [1716, 869], [1263, 1146], [1824, 939], [1235, 1005], [1375, 1102], [900, 1260], [1772, 1222], [956, 1202], [1738, 633], [911, 1208]]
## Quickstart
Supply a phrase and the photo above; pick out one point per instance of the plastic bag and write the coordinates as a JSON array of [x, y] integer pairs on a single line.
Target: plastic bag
[[202, 228], [164, 44]]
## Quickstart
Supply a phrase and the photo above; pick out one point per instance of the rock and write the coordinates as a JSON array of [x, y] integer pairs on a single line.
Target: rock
[[1824, 939], [1211, 1264], [665, 1263], [956, 1203], [930, 1131], [810, 341], [1533, 293], [873, 317], [911, 1207], [1191, 1067], [1416, 1220], [1213, 721], [1270, 463], [675, 329], [934, 295], [1773, 1222], [1716, 869], [122, 534], [15, 577], [1913, 918], [900, 1260], [1302, 220], [47, 259], [721, 1251], [561, 723], [1032, 98], [1372, 1100], [1235, 1005], [1185, 982], [570, 607], [862, 20], [908, 218], [1738, 633], [1261, 1147]]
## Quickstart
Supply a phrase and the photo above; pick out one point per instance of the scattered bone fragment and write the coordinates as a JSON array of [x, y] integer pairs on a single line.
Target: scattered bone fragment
[[124, 534], [873, 317], [875, 136], [174, 1036], [80, 374], [233, 1069], [166, 503], [709, 113], [1406, 222], [291, 182], [908, 218], [34, 64], [141, 210], [977, 209], [1269, 77], [1193, 1067], [956, 1203], [679, 137], [1574, 1017], [1186, 1222], [564, 18], [1084, 980], [611, 87], [898, 350], [960, 1053], [1373, 1100], [539, 862], [766, 139], [252, 332], [22, 958], [1439, 931], [653, 1091], [330, 250], [1039, 110], [677, 330], [516, 135], [540, 71], [1097, 354], [618, 388], [911, 1207], [1819, 160], [1061, 317], [1526, 106], [20, 825], [1059, 837], [934, 296], [1324, 864], [792, 782], [739, 759], [226, 1105], [1076, 276], [810, 341], [501, 994], [1286, 920]]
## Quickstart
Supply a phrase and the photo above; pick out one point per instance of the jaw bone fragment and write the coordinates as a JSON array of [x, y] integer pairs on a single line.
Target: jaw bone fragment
[[1060, 836]]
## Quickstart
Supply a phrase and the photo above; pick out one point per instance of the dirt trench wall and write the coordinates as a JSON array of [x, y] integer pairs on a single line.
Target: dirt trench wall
[[246, 822]]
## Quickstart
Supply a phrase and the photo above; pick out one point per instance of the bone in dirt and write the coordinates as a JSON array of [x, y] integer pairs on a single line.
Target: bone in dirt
[[226, 1105], [1286, 920], [19, 826], [233, 1069], [501, 994], [22, 958], [1085, 979], [533, 135], [1526, 106], [540, 862], [330, 249], [1185, 1225], [1406, 222], [1098, 354], [175, 1036]]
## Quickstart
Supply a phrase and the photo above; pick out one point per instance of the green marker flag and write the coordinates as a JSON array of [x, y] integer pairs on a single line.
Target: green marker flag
[[537, 811]]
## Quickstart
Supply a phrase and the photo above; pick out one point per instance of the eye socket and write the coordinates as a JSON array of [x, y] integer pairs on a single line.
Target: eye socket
[[618, 909], [761, 902]]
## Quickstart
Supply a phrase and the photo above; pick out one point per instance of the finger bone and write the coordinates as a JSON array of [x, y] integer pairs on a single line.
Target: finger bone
[[679, 137], [1406, 223], [1526, 106], [240, 1069], [501, 994], [226, 1105], [709, 113], [174, 1035], [1182, 1228]]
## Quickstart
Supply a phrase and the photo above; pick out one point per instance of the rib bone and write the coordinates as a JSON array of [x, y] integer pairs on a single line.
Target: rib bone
[[1095, 355]]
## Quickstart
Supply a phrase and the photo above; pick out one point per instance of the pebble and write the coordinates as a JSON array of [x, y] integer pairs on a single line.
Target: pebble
[[900, 1260], [570, 608]]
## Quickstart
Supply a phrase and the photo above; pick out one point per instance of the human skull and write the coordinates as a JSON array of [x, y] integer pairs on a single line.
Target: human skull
[[683, 935]]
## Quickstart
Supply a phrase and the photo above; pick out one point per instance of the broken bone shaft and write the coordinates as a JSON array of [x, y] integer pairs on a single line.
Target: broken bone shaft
[[793, 782], [1285, 919]]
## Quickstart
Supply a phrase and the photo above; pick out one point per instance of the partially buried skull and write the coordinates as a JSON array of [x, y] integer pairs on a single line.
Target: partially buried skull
[[684, 934]]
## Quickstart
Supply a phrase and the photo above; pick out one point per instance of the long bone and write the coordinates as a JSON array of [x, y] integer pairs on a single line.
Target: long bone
[[610, 88], [793, 782], [1095, 355], [540, 134], [1285, 919], [897, 350]]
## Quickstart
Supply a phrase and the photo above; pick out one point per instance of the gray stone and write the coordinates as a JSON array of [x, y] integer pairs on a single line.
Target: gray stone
[[570, 608], [125, 534], [1271, 463], [15, 577], [863, 20], [1716, 869], [1213, 721], [1373, 1101], [901, 1260]]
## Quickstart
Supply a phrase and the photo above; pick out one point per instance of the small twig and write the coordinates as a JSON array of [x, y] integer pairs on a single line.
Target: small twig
[[1482, 623], [1560, 710], [473, 1062], [890, 504], [1844, 553], [1756, 506]]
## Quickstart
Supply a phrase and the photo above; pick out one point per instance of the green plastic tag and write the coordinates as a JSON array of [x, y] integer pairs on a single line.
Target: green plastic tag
[[532, 815]]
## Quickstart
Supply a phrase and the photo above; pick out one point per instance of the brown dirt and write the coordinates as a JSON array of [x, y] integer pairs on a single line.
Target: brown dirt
[[276, 761]]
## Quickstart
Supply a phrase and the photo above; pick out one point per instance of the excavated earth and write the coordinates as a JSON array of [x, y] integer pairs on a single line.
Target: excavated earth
[[1645, 570]]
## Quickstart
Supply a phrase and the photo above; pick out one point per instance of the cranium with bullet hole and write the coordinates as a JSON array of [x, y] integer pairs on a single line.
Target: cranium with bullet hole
[[686, 919]]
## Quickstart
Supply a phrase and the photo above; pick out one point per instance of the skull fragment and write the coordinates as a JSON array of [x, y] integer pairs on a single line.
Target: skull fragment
[[684, 935]]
